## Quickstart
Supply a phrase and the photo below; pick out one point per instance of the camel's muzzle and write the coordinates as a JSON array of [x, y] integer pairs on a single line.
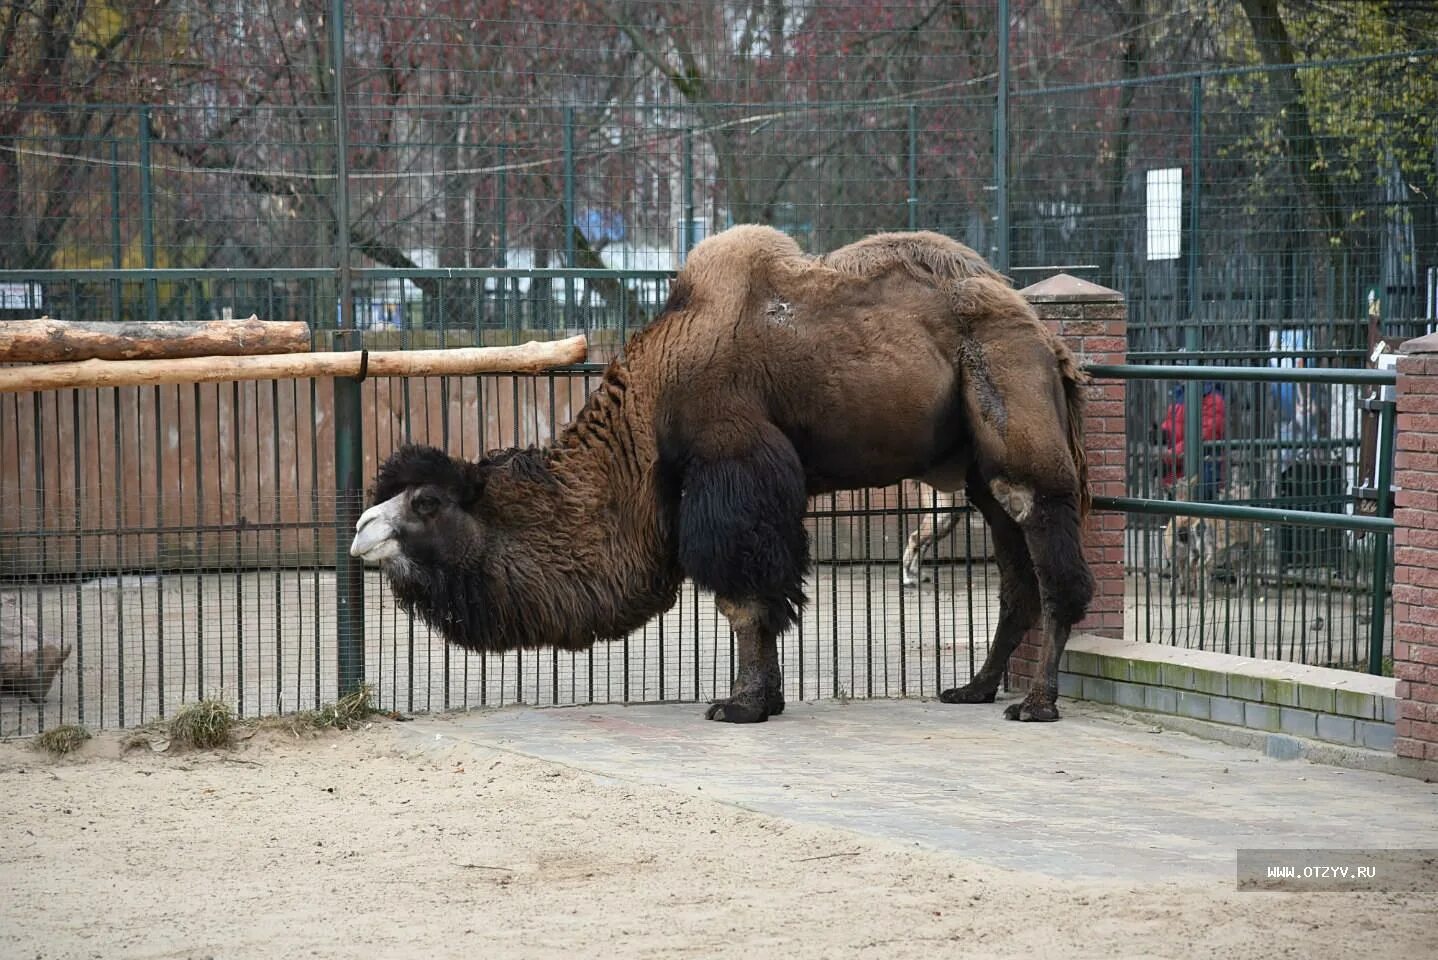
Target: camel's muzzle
[[375, 532]]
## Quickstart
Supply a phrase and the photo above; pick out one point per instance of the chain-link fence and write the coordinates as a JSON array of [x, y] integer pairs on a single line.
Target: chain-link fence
[[1229, 166], [1260, 179]]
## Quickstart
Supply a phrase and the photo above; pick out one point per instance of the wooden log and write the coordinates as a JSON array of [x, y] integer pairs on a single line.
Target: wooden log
[[530, 357], [57, 341]]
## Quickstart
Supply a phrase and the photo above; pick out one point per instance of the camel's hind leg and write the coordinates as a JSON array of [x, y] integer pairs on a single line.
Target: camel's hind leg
[[1051, 529], [1019, 599]]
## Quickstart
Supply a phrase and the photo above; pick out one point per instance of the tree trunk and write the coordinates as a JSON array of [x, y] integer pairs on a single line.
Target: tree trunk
[[531, 357], [1276, 49], [1129, 21], [52, 341]]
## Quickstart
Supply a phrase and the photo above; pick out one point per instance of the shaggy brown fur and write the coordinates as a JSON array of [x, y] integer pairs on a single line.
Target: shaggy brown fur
[[770, 376]]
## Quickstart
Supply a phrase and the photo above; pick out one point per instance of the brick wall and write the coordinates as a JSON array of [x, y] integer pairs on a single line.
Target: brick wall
[[1093, 321], [1415, 574]]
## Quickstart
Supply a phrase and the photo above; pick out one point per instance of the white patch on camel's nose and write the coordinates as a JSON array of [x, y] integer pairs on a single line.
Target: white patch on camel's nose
[[375, 531]]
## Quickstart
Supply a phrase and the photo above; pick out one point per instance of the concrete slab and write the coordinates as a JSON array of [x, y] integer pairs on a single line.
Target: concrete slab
[[1087, 797]]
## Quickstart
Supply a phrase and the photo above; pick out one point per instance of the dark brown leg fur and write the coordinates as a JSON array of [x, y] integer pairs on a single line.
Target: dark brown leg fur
[[1066, 586]]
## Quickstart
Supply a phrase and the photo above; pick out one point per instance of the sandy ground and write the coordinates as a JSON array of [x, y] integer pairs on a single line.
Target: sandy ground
[[368, 843]]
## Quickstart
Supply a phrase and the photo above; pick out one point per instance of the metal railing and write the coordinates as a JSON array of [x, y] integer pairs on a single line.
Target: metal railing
[[1303, 494], [184, 542], [1241, 488]]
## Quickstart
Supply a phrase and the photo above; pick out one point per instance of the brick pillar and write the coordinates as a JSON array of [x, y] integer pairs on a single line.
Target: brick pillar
[[1093, 321], [1415, 551]]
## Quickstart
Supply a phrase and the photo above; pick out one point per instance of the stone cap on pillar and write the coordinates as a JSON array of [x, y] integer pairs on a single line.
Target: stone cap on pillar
[[1066, 288], [1428, 343]]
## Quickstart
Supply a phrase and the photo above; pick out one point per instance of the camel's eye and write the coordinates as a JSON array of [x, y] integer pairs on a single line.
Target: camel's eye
[[425, 504]]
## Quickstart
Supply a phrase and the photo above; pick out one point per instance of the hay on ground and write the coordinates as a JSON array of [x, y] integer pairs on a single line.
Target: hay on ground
[[61, 740]]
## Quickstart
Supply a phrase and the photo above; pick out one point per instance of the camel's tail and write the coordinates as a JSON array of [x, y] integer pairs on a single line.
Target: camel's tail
[[1075, 380]]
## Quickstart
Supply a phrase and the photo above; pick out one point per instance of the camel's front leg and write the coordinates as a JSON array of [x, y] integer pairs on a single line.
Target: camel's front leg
[[758, 691]]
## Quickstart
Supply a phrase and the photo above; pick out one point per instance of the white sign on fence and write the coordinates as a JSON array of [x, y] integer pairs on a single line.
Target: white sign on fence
[[20, 296], [1165, 213]]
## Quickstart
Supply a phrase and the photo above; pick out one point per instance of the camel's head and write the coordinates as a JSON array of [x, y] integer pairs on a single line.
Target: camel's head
[[459, 541], [423, 514]]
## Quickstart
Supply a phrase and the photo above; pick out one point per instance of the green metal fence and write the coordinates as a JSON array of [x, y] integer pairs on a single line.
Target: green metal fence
[[1226, 166], [183, 541], [1271, 536], [1257, 179]]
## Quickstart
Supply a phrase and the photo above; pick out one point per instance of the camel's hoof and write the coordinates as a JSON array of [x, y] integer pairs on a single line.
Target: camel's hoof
[[737, 710], [1032, 712], [969, 693]]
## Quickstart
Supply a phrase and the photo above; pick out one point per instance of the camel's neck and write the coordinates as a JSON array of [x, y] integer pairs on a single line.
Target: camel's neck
[[600, 552]]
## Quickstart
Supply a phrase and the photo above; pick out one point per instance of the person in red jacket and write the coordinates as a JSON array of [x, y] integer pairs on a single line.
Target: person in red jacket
[[1171, 430]]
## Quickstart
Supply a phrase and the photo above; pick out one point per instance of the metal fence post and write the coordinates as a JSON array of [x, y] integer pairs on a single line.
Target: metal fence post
[[501, 284], [687, 174], [913, 202], [117, 250], [1001, 147], [147, 216], [503, 213], [571, 218], [349, 426], [1193, 406], [1387, 406]]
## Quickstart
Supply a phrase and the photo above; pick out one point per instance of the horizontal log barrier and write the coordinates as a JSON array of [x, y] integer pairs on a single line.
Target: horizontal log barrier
[[530, 357], [60, 341]]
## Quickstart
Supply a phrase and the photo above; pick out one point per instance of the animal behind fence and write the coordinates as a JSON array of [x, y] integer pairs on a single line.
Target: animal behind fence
[[770, 377]]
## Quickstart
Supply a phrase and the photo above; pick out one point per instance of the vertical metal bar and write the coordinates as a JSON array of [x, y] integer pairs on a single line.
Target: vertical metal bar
[[687, 176], [315, 514], [903, 631], [117, 252], [834, 620], [1195, 159], [349, 426], [869, 601], [278, 539], [120, 471], [201, 521], [77, 445], [1001, 147], [501, 285], [239, 542], [1387, 414], [147, 215], [1193, 392], [38, 426], [913, 203], [570, 215]]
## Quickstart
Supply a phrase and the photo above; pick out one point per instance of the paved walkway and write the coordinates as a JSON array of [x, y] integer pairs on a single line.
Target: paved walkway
[[1090, 796]]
